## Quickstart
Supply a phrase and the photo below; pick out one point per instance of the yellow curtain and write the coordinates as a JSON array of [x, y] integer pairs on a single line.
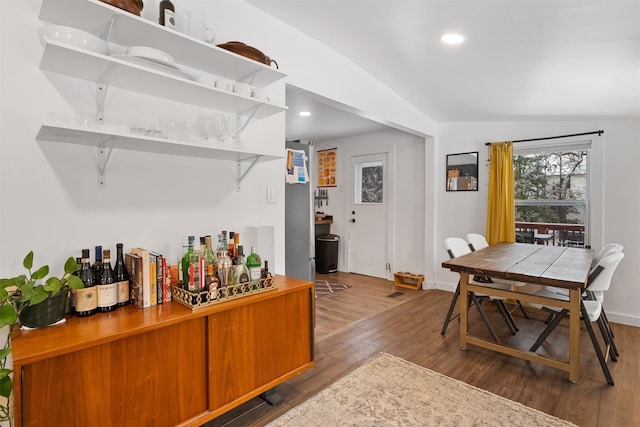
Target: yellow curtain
[[501, 204]]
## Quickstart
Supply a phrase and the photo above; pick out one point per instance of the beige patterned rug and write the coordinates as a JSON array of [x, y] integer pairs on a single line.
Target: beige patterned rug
[[389, 391]]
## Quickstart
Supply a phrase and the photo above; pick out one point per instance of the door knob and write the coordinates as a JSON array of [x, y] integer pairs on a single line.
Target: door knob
[[352, 220]]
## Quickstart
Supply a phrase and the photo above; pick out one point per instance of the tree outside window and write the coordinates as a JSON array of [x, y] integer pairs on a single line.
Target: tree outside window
[[551, 187]]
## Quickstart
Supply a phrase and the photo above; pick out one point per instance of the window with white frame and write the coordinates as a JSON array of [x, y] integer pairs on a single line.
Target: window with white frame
[[552, 191]]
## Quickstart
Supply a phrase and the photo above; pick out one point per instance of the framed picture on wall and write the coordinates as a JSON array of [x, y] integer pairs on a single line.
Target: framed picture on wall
[[462, 172], [327, 168]]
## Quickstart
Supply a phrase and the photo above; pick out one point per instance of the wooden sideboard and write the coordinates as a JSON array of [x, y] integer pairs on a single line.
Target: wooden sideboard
[[163, 366]]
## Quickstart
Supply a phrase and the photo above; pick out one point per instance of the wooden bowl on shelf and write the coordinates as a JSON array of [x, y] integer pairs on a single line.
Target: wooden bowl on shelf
[[131, 6]]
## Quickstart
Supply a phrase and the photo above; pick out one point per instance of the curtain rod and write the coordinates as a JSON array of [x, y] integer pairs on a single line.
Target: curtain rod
[[599, 132]]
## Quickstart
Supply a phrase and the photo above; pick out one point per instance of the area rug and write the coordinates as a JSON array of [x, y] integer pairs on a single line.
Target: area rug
[[324, 287], [389, 391]]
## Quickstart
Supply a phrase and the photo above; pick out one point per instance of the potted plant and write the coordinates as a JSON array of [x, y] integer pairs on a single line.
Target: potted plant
[[26, 292]]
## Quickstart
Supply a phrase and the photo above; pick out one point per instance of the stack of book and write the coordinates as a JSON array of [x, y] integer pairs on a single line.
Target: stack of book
[[150, 278]]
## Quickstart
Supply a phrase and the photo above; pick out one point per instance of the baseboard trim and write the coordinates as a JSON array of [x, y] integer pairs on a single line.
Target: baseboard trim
[[623, 319]]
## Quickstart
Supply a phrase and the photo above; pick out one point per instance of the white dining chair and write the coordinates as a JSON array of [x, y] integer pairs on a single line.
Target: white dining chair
[[478, 241], [607, 249], [457, 247], [591, 311]]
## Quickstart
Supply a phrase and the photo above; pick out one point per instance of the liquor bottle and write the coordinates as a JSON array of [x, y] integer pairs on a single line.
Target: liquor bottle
[[196, 270], [236, 243], [231, 250], [96, 267], [86, 298], [203, 244], [122, 277], [185, 248], [240, 271], [253, 264], [266, 275], [185, 262], [108, 286], [211, 282], [167, 14], [220, 246], [225, 243], [209, 260]]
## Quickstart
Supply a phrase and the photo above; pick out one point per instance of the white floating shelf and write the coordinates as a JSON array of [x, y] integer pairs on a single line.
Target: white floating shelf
[[128, 30], [106, 137], [75, 62]]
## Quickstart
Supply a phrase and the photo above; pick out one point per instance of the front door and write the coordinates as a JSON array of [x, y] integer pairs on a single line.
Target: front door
[[368, 211]]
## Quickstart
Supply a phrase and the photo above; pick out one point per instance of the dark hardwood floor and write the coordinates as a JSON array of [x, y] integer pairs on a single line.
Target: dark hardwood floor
[[355, 325]]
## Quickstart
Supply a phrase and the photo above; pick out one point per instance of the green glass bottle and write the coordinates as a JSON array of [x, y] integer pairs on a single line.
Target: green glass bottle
[[253, 264], [186, 258]]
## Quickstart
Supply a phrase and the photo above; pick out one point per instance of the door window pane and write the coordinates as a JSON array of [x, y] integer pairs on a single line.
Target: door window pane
[[369, 183]]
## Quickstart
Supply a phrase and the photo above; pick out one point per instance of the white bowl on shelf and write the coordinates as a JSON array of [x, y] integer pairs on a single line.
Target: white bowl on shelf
[[75, 37]]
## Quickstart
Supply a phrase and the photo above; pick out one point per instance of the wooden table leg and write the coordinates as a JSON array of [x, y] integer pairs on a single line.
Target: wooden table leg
[[464, 304], [574, 334]]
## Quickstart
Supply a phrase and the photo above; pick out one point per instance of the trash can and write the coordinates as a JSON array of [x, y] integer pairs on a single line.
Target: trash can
[[327, 253]]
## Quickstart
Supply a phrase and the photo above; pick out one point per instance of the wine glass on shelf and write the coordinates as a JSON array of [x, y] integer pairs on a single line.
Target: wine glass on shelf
[[220, 127]]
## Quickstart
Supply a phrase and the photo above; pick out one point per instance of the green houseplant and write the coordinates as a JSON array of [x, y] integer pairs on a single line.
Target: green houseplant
[[16, 295]]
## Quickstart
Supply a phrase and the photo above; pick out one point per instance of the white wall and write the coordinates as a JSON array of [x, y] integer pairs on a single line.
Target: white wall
[[615, 205], [311, 65], [407, 247], [49, 200]]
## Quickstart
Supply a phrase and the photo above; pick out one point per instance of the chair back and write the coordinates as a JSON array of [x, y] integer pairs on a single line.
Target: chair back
[[606, 249], [572, 238], [600, 277], [525, 236], [456, 247], [476, 241]]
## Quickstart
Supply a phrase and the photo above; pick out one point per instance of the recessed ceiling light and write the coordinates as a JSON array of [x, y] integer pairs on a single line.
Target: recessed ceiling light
[[452, 38], [304, 113]]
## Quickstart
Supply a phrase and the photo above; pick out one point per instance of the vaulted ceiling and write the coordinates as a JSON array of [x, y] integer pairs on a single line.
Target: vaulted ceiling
[[521, 59]]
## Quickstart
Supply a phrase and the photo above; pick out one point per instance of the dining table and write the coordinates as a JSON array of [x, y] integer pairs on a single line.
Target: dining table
[[563, 267]]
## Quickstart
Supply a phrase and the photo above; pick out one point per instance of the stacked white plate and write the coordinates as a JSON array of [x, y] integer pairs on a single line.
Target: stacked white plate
[[154, 59]]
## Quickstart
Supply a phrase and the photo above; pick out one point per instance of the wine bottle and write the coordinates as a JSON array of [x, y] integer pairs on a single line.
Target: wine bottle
[[253, 264], [240, 271], [86, 298], [167, 16], [107, 287], [122, 277], [96, 267]]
